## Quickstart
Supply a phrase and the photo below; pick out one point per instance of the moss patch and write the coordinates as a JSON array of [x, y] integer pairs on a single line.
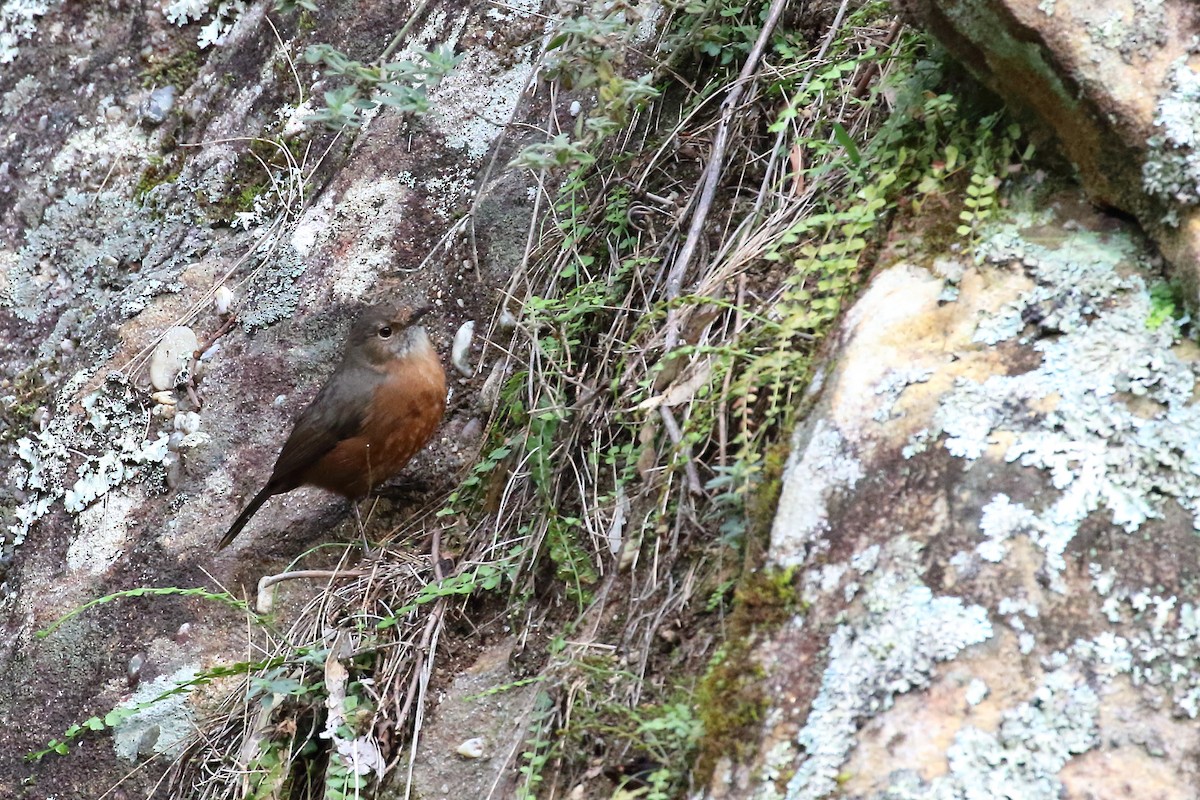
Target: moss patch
[[731, 698]]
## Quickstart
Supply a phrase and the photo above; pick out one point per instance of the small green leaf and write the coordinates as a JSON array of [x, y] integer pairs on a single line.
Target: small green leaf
[[843, 138]]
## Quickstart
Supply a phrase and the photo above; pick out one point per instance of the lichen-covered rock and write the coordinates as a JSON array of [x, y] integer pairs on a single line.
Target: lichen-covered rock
[[991, 517], [157, 174], [1117, 83]]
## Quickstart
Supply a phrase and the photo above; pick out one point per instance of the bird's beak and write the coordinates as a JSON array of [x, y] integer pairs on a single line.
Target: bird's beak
[[418, 313]]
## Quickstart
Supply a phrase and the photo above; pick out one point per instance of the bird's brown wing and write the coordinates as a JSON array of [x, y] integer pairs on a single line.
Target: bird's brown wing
[[335, 414]]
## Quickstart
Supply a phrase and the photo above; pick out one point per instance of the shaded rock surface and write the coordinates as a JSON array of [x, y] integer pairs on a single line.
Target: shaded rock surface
[[1116, 83]]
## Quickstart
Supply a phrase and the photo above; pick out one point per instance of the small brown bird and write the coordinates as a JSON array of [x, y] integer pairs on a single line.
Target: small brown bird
[[375, 412]]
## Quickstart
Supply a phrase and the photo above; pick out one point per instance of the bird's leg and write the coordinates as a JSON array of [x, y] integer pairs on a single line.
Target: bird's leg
[[194, 365], [362, 531], [404, 488]]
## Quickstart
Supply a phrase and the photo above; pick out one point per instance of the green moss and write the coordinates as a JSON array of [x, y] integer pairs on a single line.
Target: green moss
[[1168, 301], [249, 180], [24, 395], [731, 699], [155, 174], [179, 69]]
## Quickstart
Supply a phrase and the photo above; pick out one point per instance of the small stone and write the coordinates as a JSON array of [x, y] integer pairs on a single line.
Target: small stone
[[471, 748], [471, 430], [158, 105], [133, 670], [148, 740], [223, 300], [173, 464], [462, 348], [489, 393], [187, 423], [173, 352]]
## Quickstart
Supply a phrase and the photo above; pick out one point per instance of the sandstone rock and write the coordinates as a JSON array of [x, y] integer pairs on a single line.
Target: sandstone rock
[[991, 520]]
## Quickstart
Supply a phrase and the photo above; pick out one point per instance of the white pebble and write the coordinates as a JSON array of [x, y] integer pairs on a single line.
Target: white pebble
[[173, 352], [187, 423], [471, 748], [462, 348], [223, 300]]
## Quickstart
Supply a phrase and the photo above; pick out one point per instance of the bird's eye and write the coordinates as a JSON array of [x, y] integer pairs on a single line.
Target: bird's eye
[[385, 332]]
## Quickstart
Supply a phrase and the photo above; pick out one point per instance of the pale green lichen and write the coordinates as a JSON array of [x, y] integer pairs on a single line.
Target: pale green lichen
[[1158, 648], [95, 251], [1139, 33], [18, 20], [163, 721], [224, 15], [1086, 318], [111, 439], [890, 650], [1172, 169], [893, 385], [825, 468], [273, 294], [1023, 756]]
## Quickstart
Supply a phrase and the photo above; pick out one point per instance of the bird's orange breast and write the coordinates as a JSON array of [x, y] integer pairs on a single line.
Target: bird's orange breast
[[404, 411]]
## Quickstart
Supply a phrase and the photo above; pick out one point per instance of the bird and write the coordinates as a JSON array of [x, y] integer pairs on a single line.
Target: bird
[[377, 410]]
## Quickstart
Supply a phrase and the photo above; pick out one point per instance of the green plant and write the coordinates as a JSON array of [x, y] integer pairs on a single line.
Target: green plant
[[588, 53], [402, 85], [1167, 304], [536, 754], [616, 432]]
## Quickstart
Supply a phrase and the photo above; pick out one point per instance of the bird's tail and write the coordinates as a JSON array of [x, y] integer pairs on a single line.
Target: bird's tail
[[244, 517]]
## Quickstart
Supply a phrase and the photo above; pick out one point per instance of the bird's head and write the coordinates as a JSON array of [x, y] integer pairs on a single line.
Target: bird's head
[[386, 332]]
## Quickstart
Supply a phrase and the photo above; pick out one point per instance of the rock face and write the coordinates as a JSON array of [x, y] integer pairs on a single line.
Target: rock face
[[151, 157], [1116, 83], [991, 517]]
